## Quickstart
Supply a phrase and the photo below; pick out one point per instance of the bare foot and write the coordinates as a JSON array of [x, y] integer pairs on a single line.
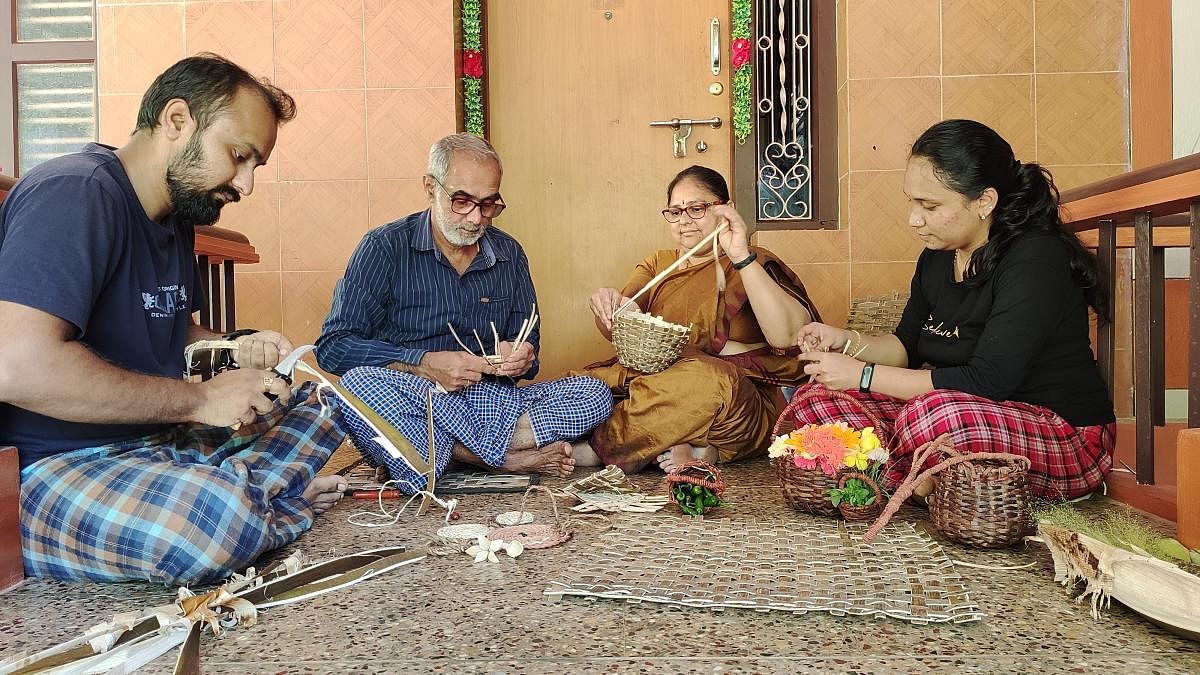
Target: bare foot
[[921, 492], [554, 459], [684, 453], [325, 491], [582, 453]]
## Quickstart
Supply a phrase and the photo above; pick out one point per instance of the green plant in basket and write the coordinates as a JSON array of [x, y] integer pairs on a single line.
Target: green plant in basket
[[855, 492], [694, 499]]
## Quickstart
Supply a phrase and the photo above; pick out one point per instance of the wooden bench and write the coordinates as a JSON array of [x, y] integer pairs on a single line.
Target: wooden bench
[[12, 569]]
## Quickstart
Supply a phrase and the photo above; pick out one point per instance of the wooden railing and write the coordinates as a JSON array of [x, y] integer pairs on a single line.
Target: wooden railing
[[217, 251], [1148, 210]]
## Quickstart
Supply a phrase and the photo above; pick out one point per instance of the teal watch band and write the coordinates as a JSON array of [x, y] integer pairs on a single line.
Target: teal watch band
[[864, 382]]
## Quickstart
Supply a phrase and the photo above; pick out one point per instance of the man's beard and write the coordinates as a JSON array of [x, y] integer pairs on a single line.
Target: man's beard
[[192, 203], [451, 233]]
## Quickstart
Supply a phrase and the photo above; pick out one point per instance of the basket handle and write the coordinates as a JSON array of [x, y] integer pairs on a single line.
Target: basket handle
[[847, 475], [830, 393], [940, 445]]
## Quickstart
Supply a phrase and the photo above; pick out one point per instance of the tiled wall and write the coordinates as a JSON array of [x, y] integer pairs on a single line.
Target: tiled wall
[[1049, 75], [373, 80]]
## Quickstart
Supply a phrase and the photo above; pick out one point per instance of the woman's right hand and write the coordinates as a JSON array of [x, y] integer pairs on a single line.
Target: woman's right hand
[[604, 302], [820, 337]]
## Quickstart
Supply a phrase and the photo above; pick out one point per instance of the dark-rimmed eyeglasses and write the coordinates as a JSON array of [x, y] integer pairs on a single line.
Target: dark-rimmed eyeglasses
[[695, 211], [464, 205]]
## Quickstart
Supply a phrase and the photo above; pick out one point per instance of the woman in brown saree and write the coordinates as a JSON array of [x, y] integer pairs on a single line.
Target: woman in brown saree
[[720, 400]]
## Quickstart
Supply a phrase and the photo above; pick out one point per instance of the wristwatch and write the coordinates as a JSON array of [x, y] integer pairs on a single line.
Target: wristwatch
[[745, 262], [864, 382]]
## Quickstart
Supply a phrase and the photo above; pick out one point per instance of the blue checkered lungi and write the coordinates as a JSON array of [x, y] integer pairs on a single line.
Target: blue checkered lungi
[[481, 417], [188, 505]]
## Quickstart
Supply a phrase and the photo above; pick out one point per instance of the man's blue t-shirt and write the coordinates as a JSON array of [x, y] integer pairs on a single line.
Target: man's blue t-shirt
[[76, 243]]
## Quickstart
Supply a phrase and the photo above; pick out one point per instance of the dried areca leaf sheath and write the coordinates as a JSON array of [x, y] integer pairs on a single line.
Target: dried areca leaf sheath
[[1151, 587]]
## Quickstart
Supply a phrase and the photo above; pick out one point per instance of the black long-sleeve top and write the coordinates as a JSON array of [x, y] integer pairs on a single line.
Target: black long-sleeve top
[[1021, 335]]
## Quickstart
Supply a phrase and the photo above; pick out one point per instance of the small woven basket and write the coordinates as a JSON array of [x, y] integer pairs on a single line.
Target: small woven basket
[[982, 502], [807, 490], [979, 499], [647, 343], [696, 473], [870, 511]]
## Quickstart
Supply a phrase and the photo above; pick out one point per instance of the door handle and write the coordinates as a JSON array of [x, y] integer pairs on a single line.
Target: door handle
[[714, 41], [714, 122]]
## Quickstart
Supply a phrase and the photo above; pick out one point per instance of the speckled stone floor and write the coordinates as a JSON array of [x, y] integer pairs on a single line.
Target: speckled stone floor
[[445, 614]]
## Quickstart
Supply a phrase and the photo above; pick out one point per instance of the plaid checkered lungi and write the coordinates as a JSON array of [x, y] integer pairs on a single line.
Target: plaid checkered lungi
[[192, 504], [481, 417], [1067, 461]]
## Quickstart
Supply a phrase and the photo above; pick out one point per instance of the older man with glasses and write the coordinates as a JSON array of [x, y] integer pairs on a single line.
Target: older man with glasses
[[442, 300]]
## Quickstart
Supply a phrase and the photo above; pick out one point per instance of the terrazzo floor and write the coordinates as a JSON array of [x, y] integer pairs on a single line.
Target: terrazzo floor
[[447, 615]]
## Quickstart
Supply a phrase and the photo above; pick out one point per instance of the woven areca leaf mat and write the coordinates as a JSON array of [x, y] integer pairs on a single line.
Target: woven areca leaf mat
[[813, 566]]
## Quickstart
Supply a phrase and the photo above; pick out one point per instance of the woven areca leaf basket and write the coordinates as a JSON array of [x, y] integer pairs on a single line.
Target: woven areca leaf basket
[[647, 343], [805, 490], [982, 502], [979, 499]]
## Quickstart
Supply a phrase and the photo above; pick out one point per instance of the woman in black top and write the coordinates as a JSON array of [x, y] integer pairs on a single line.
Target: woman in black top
[[998, 315]]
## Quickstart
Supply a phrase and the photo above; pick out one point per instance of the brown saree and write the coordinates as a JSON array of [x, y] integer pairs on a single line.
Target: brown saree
[[727, 402]]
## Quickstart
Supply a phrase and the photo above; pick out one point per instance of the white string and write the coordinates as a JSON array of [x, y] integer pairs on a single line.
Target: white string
[[384, 519], [993, 567]]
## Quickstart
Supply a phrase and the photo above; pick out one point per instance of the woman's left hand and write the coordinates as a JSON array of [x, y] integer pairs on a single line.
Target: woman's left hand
[[734, 239], [836, 371]]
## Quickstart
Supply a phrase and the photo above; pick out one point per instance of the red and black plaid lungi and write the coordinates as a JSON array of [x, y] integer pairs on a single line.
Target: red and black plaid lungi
[[1066, 461]]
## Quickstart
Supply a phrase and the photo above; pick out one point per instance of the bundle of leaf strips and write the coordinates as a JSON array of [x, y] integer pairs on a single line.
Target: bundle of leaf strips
[[1120, 528]]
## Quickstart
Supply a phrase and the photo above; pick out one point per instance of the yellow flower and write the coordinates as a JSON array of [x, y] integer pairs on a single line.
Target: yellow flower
[[856, 459], [869, 441]]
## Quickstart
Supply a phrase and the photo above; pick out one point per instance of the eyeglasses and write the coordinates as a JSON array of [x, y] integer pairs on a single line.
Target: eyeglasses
[[463, 205], [695, 211]]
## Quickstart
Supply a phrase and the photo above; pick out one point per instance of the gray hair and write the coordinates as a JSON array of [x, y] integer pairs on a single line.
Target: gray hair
[[469, 144]]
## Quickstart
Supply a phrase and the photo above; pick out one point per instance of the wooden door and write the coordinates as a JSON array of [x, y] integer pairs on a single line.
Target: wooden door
[[573, 86]]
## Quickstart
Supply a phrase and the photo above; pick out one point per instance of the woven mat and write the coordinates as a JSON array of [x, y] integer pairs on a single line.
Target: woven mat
[[812, 566]]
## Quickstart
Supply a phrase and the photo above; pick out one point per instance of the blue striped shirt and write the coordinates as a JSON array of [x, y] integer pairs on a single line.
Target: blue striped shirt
[[400, 292]]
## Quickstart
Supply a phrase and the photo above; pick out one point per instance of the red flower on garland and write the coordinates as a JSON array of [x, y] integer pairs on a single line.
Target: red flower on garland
[[472, 63], [741, 52]]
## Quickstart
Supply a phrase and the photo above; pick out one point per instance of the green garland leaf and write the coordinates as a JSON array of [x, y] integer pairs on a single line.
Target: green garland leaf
[[743, 123], [472, 20]]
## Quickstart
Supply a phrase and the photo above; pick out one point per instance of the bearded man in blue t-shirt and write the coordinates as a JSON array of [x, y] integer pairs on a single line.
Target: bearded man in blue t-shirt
[[128, 471]]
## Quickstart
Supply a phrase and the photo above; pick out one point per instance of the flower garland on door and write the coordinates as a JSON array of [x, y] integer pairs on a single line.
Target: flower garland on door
[[472, 66], [739, 60]]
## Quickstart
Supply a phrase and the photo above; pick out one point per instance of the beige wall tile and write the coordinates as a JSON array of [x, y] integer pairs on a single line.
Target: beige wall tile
[[241, 31], [320, 223], [389, 200], [327, 140], [843, 94], [1003, 102], [1082, 118], [1080, 35], [306, 300], [140, 41], [117, 117], [879, 229], [796, 247], [410, 43], [319, 44], [886, 116], [257, 217], [828, 284], [402, 124], [879, 278], [259, 300], [892, 38], [1072, 176], [987, 37]]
